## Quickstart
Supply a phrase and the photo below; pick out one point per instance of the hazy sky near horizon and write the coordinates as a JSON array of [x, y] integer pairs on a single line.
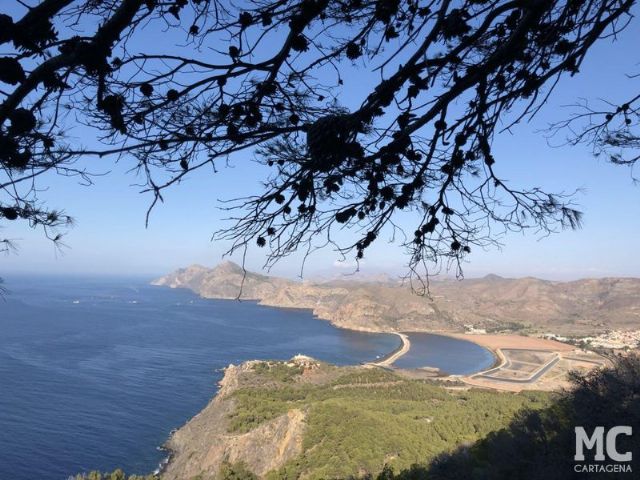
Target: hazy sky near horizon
[[110, 236]]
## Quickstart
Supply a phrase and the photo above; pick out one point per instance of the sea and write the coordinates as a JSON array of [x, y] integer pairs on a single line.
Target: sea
[[451, 356], [95, 373]]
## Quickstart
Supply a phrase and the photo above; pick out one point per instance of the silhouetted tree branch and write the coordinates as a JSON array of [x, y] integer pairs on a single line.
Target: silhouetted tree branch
[[611, 130], [265, 76]]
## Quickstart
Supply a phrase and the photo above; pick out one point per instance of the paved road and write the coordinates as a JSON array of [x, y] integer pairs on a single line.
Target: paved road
[[532, 379]]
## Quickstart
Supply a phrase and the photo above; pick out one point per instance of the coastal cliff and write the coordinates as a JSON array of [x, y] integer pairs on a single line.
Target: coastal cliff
[[354, 305], [307, 419], [205, 443], [493, 303]]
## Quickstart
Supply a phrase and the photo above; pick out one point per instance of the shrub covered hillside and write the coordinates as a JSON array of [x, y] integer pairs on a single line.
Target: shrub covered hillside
[[540, 445], [117, 474], [358, 422], [374, 424]]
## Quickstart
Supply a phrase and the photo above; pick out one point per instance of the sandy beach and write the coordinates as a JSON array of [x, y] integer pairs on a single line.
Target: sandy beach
[[404, 348], [495, 342]]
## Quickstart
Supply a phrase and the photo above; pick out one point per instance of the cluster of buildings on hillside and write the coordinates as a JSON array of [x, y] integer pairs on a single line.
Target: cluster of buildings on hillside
[[615, 340]]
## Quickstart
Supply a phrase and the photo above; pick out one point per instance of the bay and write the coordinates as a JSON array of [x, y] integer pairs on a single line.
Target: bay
[[96, 372]]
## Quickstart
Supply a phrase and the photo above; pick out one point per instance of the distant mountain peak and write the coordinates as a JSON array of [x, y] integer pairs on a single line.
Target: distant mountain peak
[[492, 277], [573, 308], [196, 266], [228, 267]]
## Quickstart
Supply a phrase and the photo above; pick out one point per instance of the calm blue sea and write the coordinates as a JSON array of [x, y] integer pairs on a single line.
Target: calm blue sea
[[95, 373], [450, 355]]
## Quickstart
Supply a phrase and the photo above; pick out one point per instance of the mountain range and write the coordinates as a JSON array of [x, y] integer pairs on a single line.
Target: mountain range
[[493, 303]]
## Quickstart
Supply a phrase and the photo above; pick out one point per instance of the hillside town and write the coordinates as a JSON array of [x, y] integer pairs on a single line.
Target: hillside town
[[614, 340]]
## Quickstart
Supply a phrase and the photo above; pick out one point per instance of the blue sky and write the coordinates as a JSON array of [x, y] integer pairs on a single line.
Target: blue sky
[[111, 238]]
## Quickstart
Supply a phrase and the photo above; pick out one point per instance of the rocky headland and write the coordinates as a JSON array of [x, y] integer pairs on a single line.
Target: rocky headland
[[491, 303]]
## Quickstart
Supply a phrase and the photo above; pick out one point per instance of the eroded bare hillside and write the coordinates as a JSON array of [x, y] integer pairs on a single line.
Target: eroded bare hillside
[[494, 303]]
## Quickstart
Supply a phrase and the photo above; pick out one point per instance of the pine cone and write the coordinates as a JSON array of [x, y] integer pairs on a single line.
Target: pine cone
[[328, 139]]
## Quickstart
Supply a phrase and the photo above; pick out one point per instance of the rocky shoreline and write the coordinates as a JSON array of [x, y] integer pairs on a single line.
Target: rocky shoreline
[[204, 443], [372, 308], [491, 303]]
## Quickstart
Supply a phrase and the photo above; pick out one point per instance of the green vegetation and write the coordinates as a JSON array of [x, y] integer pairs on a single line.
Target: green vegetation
[[235, 471], [368, 376], [508, 327], [280, 371], [117, 474], [374, 424], [366, 419], [540, 445]]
